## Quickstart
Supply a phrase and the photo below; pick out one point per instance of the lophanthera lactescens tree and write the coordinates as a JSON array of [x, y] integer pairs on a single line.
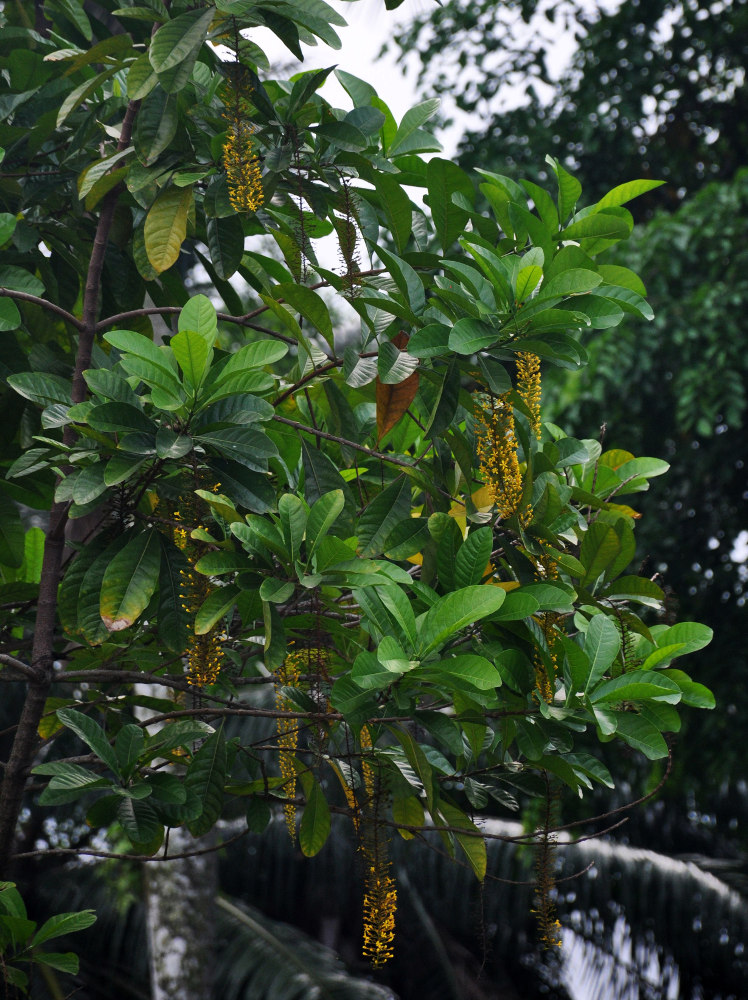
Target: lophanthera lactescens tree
[[373, 541]]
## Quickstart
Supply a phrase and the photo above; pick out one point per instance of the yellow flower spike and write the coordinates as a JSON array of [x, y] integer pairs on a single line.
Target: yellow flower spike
[[287, 731], [242, 166], [380, 905], [496, 445], [529, 388]]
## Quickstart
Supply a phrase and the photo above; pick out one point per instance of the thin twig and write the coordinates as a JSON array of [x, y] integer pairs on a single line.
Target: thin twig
[[341, 440]]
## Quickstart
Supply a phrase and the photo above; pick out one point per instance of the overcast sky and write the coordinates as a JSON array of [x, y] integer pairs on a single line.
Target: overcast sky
[[370, 25]]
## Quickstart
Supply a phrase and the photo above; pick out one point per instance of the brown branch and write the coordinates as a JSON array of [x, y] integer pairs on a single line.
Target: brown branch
[[23, 668], [175, 310], [11, 293], [341, 440]]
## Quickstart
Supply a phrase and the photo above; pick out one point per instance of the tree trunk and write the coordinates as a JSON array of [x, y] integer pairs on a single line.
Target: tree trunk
[[180, 912]]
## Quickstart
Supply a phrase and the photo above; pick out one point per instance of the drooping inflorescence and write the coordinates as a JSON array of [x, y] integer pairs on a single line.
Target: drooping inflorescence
[[496, 445], [204, 652], [529, 387], [287, 675], [380, 892], [240, 160]]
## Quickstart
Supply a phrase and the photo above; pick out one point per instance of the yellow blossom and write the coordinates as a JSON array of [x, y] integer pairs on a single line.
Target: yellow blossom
[[497, 453], [528, 386]]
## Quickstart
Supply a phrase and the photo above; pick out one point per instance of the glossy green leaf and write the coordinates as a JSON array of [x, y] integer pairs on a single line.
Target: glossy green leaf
[[453, 611], [381, 515], [130, 581], [205, 779], [314, 828], [92, 735], [601, 645]]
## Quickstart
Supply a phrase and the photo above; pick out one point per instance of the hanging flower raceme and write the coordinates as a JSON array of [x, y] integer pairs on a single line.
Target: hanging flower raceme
[[496, 445], [549, 926], [287, 675], [529, 388], [380, 892], [547, 569], [240, 160], [204, 652], [380, 904]]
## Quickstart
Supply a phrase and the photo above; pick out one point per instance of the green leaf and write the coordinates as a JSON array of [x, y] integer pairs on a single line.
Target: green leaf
[[397, 209], [7, 226], [314, 828], [172, 617], [194, 354], [62, 961], [600, 547], [635, 588], [692, 635], [474, 670], [139, 820], [639, 685], [92, 735], [323, 514], [309, 304], [119, 418], [128, 746], [693, 694], [199, 315], [64, 923], [469, 335], [443, 179], [41, 388], [175, 41], [452, 612], [412, 120], [21, 280], [602, 644], [205, 778], [380, 517], [569, 189], [473, 557], [130, 581], [216, 605], [574, 281], [166, 227], [245, 445], [626, 192], [155, 126], [641, 735], [276, 591], [394, 365], [601, 226], [472, 842], [10, 318]]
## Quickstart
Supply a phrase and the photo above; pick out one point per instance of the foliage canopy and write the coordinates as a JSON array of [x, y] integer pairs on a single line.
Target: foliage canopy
[[365, 533]]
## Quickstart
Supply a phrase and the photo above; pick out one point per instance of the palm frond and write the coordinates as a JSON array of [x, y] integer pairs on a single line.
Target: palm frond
[[264, 959]]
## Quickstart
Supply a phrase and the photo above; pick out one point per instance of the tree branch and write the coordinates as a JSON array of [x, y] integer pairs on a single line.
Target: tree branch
[[104, 324], [20, 666], [341, 440], [11, 293]]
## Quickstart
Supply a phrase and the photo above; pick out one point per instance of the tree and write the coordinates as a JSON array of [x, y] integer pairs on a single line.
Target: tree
[[653, 88], [271, 570]]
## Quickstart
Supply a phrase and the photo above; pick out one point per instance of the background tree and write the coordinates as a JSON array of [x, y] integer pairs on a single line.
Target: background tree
[[275, 573]]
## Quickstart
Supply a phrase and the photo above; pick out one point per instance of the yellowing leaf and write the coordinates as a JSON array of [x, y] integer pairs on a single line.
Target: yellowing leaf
[[166, 227]]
